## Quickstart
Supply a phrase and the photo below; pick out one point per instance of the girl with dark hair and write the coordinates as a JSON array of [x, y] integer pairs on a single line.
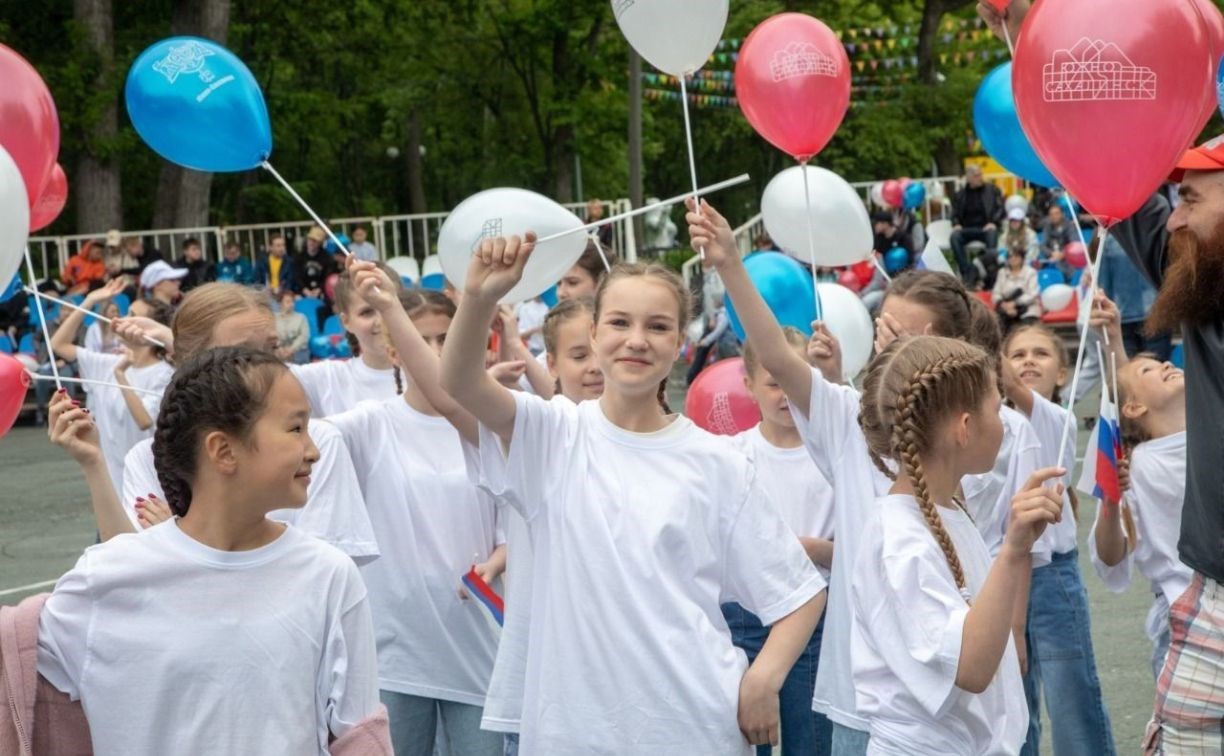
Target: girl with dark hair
[[257, 638]]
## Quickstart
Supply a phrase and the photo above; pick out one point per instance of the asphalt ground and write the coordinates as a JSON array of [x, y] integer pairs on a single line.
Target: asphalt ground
[[45, 523]]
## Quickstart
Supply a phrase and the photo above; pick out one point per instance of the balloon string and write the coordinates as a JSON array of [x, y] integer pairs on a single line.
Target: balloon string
[[1079, 357], [811, 230], [42, 316], [688, 137], [875, 260], [599, 248], [326, 228], [71, 306], [1007, 38], [91, 382]]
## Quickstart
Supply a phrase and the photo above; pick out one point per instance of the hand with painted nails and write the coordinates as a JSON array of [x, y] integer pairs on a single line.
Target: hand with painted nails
[[151, 510], [71, 427]]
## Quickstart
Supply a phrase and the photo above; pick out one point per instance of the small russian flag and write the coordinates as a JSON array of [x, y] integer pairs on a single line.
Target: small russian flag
[[933, 259], [481, 591], [1099, 476]]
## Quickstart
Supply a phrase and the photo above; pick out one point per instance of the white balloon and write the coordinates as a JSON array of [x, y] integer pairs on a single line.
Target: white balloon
[[877, 194], [840, 224], [940, 232], [14, 218], [1016, 201], [674, 36], [1056, 297], [503, 212], [847, 318]]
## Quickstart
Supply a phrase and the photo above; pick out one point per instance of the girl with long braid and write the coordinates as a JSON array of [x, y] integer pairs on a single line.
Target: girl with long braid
[[932, 654]]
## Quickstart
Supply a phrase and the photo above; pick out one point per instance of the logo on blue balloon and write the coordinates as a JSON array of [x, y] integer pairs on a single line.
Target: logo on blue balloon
[[185, 58]]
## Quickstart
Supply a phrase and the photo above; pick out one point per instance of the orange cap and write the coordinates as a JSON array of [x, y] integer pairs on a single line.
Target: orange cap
[[1209, 156]]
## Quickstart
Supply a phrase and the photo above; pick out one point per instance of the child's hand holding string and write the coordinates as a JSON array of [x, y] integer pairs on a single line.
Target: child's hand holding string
[[372, 284], [824, 352], [71, 427], [1032, 509], [711, 232], [497, 266]]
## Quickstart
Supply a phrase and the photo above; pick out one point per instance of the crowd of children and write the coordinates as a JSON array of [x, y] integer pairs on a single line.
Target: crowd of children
[[889, 569]]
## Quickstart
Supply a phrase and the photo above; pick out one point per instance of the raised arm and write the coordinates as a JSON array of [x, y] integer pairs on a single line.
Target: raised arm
[[135, 405], [71, 427], [495, 268], [416, 355], [513, 349], [1104, 315], [63, 341], [710, 231]]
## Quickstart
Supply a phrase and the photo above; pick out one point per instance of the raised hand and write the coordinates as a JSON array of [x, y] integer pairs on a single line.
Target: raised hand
[[71, 427], [136, 330], [110, 289], [711, 232], [824, 352], [1034, 507], [888, 330], [508, 373], [372, 284], [497, 266]]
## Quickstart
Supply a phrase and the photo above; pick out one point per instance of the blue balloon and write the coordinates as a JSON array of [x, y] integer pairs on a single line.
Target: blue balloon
[[896, 260], [998, 126], [549, 297], [196, 104], [1220, 85], [785, 285], [11, 290], [330, 246], [915, 195]]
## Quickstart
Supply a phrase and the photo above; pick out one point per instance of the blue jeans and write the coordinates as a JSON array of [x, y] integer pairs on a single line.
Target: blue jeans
[[414, 726], [803, 731], [848, 741], [1062, 666]]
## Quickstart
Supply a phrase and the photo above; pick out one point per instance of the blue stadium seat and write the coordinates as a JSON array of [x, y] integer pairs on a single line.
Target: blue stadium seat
[[123, 303], [26, 344], [6, 344], [332, 326], [1178, 356], [309, 306], [1049, 276]]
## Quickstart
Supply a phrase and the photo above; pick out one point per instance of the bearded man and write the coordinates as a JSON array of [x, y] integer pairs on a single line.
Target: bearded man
[[1181, 251]]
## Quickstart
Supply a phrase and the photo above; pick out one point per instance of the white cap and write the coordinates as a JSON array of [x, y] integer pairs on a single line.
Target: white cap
[[158, 271], [1015, 214]]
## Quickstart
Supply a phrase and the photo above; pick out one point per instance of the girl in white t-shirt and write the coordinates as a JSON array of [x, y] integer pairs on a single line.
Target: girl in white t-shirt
[[435, 649], [642, 525], [219, 631], [805, 500], [124, 416], [1061, 662], [826, 414], [1143, 530], [335, 386], [933, 658], [229, 314]]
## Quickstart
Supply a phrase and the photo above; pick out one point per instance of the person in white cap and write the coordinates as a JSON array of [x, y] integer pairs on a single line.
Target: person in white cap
[[1018, 235], [160, 281]]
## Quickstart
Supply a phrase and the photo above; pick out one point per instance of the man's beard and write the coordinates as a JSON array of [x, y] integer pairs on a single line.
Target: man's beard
[[1193, 289]]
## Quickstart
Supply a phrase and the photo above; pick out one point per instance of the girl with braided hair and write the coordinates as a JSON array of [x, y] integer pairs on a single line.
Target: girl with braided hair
[[932, 654], [435, 649], [251, 636], [643, 524]]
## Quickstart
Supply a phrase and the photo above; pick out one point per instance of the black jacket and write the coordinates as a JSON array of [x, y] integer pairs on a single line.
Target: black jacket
[[992, 205]]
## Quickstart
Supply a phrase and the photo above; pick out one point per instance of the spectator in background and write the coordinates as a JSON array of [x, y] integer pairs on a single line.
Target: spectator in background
[[362, 249], [717, 335], [530, 316], [888, 235], [116, 259], [1016, 292], [762, 243], [199, 270], [275, 269], [162, 282], [1125, 285], [141, 255], [313, 265], [977, 212], [595, 212], [292, 332], [234, 268], [1059, 232], [1019, 235], [86, 269]]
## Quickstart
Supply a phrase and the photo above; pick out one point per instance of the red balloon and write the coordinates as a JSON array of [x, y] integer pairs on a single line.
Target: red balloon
[[51, 202], [1110, 93], [1075, 254], [894, 193], [999, 5], [864, 272], [719, 401], [329, 286], [792, 81], [29, 123], [850, 280], [14, 380]]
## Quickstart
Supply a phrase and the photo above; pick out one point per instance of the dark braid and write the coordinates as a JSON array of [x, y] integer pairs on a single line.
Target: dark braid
[[399, 380], [222, 389], [662, 397]]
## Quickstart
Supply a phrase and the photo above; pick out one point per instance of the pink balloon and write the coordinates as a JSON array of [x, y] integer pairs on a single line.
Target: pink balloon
[[29, 123], [894, 193], [1110, 94], [13, 384], [850, 280], [999, 5], [792, 81], [51, 202], [329, 286], [719, 401], [1075, 254]]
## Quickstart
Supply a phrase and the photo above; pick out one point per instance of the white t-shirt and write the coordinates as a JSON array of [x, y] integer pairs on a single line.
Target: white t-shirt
[[1047, 421], [988, 496], [117, 429], [531, 314], [798, 491], [639, 540], [432, 525], [335, 386], [175, 647], [835, 442], [905, 648], [334, 510], [1158, 488]]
